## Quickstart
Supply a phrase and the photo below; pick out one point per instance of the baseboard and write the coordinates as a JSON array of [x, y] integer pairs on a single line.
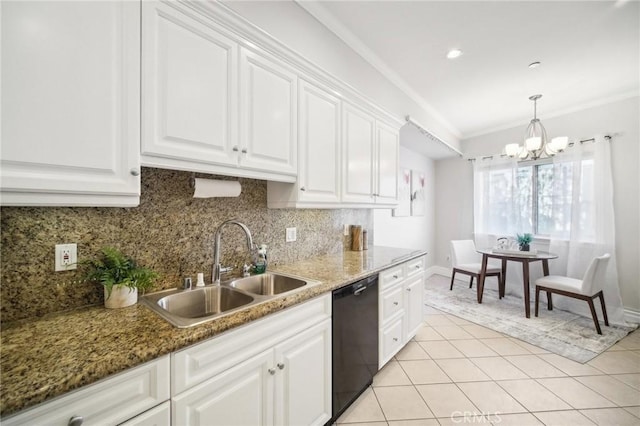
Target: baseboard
[[438, 270], [632, 316]]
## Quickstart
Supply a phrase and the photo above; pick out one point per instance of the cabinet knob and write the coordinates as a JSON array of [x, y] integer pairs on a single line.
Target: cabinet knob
[[76, 421], [409, 290], [395, 303], [395, 339], [135, 172], [272, 371], [281, 366], [244, 150], [395, 276], [235, 149], [303, 188]]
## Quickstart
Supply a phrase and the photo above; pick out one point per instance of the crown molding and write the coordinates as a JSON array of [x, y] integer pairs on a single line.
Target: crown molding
[[557, 113], [315, 9]]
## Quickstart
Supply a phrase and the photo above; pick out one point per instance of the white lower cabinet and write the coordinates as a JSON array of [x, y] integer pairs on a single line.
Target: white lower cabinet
[[400, 306], [273, 371], [108, 402]]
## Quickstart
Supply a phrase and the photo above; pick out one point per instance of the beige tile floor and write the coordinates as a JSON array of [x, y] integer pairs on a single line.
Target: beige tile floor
[[455, 372]]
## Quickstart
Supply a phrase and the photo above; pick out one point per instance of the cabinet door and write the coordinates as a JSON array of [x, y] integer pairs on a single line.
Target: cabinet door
[[319, 147], [242, 395], [413, 289], [268, 120], [189, 89], [358, 139], [70, 103], [388, 145], [303, 390]]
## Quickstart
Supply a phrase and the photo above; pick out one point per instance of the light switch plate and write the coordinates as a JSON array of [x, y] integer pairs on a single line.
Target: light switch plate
[[291, 235]]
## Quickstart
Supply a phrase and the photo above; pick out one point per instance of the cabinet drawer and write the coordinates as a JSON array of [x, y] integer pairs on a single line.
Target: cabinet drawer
[[202, 361], [110, 401], [157, 416], [392, 302], [415, 267], [391, 276], [390, 341]]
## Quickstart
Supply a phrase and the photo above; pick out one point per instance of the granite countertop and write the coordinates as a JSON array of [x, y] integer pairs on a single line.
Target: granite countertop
[[46, 357]]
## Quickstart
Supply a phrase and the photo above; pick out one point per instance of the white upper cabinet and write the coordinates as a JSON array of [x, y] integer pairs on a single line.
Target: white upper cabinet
[[387, 164], [358, 137], [209, 104], [190, 77], [319, 169], [70, 103], [268, 119]]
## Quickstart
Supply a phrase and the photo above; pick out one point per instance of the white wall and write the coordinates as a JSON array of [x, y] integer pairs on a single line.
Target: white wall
[[416, 232], [454, 180], [296, 28]]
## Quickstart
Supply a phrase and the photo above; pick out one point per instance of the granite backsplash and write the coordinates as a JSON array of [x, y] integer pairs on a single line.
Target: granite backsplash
[[170, 232]]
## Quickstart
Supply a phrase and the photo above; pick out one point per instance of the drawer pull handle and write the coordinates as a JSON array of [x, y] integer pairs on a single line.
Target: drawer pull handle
[[395, 339], [235, 149], [272, 371], [303, 189], [417, 266], [281, 366], [244, 150], [395, 303], [76, 421], [395, 276], [408, 289]]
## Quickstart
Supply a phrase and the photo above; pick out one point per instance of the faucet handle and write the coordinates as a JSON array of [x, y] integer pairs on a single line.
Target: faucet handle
[[245, 270]]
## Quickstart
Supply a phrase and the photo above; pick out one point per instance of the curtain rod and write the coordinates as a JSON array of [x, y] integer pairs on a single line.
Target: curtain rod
[[430, 135], [489, 157]]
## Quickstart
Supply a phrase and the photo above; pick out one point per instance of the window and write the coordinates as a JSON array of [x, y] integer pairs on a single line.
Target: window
[[535, 197]]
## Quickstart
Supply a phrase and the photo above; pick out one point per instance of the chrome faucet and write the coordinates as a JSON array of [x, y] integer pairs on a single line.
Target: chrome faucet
[[217, 267]]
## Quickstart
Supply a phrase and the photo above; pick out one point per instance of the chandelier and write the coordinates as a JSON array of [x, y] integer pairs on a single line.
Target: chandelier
[[536, 145]]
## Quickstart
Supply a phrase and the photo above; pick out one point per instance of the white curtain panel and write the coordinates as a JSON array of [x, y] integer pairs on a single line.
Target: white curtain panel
[[576, 210], [587, 168]]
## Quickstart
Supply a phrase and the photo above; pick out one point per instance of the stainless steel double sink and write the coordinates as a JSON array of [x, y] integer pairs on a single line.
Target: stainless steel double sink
[[187, 308]]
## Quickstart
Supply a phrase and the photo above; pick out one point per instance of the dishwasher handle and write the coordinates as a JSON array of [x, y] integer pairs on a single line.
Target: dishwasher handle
[[359, 291]]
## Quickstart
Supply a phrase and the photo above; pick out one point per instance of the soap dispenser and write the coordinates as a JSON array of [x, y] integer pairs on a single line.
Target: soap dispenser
[[261, 261]]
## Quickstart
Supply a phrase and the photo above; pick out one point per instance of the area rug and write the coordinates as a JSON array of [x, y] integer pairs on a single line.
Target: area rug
[[557, 331]]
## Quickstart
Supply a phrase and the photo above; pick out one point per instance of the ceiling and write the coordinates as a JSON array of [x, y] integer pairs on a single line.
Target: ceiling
[[589, 53]]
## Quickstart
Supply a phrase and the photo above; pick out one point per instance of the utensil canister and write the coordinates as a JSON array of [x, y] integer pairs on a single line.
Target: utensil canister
[[356, 237]]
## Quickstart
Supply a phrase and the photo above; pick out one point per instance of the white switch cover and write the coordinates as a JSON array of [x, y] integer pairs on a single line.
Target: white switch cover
[[291, 235], [345, 231], [66, 257]]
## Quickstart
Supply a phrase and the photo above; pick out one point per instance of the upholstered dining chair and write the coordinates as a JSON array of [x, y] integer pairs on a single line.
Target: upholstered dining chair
[[588, 288], [466, 260]]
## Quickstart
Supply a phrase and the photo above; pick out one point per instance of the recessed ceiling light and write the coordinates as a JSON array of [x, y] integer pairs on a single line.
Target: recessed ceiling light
[[534, 64], [454, 53]]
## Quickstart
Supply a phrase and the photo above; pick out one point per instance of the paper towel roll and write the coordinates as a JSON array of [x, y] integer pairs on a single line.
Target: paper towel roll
[[207, 188]]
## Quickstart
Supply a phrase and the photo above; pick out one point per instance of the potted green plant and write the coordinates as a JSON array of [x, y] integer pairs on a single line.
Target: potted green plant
[[524, 240], [120, 276]]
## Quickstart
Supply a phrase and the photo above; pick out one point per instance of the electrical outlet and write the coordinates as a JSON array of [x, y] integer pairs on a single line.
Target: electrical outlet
[[291, 235], [66, 257]]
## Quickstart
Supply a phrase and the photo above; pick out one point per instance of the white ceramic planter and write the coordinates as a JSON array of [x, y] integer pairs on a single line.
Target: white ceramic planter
[[121, 297]]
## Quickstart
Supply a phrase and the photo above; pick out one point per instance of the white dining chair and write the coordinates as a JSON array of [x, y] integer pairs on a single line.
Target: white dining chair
[[588, 288], [466, 260]]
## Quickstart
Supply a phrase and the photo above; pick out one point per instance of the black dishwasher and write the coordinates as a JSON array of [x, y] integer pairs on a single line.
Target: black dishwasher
[[355, 341]]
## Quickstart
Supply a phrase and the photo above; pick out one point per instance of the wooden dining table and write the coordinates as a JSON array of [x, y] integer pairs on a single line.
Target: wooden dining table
[[525, 259]]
